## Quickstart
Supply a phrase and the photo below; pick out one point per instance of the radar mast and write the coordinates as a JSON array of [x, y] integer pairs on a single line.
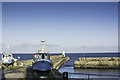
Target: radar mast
[[43, 41]]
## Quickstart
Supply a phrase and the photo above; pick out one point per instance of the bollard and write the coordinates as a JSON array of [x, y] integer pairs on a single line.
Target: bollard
[[65, 75]]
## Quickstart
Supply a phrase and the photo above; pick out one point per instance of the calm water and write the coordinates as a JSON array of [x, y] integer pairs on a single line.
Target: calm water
[[68, 66]]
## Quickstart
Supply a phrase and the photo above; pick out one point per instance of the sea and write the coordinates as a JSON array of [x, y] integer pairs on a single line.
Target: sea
[[68, 67]]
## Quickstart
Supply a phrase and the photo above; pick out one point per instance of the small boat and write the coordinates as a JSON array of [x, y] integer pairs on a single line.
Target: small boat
[[7, 59], [41, 60]]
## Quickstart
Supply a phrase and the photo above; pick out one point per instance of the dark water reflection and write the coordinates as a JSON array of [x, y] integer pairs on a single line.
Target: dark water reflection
[[90, 71], [98, 71], [69, 67]]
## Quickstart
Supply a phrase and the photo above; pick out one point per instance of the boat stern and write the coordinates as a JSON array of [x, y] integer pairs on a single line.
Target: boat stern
[[42, 66]]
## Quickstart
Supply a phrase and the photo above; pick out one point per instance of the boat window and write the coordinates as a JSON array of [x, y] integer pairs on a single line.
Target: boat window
[[46, 56], [39, 56], [43, 56]]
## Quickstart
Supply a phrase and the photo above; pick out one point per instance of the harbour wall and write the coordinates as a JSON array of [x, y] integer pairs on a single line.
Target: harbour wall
[[57, 62], [98, 62]]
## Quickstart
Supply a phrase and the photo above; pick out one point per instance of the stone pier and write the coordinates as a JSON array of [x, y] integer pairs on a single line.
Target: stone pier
[[97, 62], [57, 62]]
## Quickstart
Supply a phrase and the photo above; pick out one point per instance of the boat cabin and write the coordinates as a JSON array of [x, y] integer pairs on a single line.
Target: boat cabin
[[41, 56], [7, 59], [7, 56]]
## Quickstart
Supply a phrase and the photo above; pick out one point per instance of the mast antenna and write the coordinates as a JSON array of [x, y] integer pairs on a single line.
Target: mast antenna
[[43, 45]]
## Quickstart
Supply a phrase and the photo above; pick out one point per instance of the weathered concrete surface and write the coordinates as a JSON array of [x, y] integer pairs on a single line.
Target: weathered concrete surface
[[98, 62], [27, 63], [29, 73], [58, 62], [16, 73]]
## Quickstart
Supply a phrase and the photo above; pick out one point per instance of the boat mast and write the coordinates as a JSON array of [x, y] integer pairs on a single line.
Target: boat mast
[[42, 46], [8, 49]]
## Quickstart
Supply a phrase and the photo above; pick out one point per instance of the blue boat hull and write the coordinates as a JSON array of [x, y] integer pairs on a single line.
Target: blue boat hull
[[42, 66]]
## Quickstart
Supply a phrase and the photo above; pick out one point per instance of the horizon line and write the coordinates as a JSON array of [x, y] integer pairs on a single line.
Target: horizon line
[[69, 52], [60, 1]]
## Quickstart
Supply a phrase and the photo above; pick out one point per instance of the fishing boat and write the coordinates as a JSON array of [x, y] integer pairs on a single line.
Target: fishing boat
[[7, 59], [41, 60]]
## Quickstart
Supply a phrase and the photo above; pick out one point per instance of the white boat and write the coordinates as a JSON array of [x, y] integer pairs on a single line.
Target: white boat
[[41, 60], [7, 59]]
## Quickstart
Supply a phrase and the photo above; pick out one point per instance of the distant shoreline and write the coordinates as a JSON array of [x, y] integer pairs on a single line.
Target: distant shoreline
[[61, 52]]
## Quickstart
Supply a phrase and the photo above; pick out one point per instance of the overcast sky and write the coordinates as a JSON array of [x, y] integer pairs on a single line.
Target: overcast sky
[[64, 26]]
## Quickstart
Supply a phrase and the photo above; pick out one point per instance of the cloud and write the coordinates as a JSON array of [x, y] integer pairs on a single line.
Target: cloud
[[28, 47], [92, 49]]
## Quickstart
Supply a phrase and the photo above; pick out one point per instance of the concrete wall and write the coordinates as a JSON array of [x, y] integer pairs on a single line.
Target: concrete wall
[[57, 64], [98, 62]]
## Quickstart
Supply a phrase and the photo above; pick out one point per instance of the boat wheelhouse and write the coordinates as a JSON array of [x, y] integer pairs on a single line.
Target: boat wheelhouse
[[7, 59]]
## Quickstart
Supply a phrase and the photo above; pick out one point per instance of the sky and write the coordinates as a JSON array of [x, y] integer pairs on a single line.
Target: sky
[[0, 27], [60, 0], [63, 25]]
